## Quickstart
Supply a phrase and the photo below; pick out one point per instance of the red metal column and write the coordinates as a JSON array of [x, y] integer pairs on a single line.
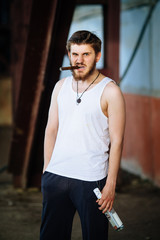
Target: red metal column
[[38, 43], [111, 35], [20, 18], [57, 50]]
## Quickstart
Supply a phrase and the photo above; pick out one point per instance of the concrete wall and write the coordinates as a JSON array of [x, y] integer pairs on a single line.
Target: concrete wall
[[141, 87]]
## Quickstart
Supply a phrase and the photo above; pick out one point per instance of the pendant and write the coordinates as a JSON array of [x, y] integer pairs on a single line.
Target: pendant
[[78, 100]]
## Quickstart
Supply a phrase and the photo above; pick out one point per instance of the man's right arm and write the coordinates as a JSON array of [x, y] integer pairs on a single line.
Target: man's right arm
[[52, 126]]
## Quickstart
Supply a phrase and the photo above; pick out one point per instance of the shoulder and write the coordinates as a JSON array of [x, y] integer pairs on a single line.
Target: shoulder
[[112, 91], [59, 84], [112, 96], [111, 86], [57, 87]]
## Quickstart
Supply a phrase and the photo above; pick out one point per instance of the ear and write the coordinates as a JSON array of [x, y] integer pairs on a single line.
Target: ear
[[69, 54], [98, 56]]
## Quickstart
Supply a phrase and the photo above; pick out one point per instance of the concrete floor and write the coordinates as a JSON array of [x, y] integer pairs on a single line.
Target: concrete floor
[[137, 203]]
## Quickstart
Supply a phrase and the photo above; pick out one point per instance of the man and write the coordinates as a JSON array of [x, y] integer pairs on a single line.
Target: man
[[87, 114]]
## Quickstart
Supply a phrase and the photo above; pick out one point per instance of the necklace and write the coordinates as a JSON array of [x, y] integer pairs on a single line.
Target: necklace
[[79, 97]]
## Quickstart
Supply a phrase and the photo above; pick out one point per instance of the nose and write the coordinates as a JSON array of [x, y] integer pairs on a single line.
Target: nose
[[80, 59]]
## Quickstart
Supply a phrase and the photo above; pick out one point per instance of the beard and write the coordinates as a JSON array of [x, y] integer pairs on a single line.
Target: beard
[[81, 76]]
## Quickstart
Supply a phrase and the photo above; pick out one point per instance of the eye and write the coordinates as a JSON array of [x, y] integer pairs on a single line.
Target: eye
[[74, 54], [86, 54]]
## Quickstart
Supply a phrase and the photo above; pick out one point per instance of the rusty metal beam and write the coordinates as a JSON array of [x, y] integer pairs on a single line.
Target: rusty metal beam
[[111, 43], [39, 37], [91, 2], [20, 17], [57, 50]]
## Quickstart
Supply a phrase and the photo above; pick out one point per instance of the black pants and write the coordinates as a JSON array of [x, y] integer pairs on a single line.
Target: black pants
[[62, 196]]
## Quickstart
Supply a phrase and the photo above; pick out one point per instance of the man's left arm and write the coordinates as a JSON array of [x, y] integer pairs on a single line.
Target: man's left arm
[[116, 116]]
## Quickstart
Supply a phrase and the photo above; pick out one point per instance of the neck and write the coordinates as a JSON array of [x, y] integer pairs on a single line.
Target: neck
[[79, 97]]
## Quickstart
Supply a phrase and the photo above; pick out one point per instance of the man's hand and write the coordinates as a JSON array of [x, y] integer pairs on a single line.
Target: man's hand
[[107, 199]]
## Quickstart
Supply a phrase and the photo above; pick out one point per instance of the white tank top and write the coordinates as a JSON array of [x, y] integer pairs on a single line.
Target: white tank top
[[82, 143]]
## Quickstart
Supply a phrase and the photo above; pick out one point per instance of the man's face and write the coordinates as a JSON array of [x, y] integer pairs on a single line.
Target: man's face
[[83, 56]]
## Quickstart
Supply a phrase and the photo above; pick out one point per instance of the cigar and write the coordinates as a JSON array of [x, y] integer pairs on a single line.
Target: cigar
[[68, 68]]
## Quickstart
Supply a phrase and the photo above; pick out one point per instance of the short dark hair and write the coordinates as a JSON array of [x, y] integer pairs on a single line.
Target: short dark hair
[[84, 37]]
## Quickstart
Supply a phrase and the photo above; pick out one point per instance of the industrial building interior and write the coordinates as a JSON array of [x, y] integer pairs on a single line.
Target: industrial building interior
[[33, 37]]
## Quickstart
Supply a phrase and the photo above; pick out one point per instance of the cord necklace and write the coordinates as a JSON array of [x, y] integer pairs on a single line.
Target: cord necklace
[[79, 97]]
